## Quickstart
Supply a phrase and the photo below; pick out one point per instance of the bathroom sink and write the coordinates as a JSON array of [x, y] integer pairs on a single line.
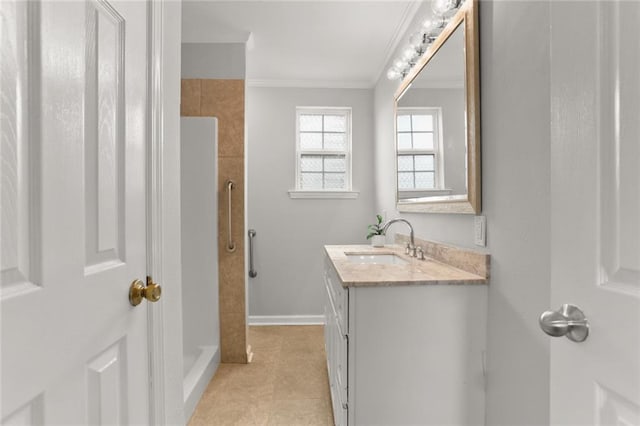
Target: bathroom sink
[[379, 259]]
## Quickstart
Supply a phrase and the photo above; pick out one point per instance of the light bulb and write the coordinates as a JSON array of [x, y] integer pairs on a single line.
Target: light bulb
[[433, 27], [417, 39], [409, 53], [399, 64], [393, 74], [444, 7]]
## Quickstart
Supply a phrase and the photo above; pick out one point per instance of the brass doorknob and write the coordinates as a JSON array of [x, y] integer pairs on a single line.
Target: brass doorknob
[[138, 291]]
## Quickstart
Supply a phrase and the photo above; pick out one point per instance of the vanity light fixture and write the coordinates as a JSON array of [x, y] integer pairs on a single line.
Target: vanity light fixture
[[445, 8], [433, 27], [420, 40]]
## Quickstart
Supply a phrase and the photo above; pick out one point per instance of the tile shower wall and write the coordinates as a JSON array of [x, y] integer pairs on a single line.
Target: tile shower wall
[[224, 99]]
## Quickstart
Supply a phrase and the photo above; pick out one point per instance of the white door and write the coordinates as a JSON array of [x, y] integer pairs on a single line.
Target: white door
[[595, 209], [73, 80]]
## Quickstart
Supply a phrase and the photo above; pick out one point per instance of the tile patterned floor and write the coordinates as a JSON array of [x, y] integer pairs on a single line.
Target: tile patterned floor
[[286, 384]]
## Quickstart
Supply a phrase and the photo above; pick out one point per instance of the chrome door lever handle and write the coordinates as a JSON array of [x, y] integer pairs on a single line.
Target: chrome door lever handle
[[568, 321]]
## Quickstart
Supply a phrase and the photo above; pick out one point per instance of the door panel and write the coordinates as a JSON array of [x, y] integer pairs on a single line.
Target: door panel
[[73, 212], [595, 206], [614, 409], [20, 150], [106, 391], [620, 147], [104, 138], [31, 413]]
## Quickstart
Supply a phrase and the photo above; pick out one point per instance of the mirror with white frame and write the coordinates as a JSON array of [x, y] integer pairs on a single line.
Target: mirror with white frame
[[437, 124]]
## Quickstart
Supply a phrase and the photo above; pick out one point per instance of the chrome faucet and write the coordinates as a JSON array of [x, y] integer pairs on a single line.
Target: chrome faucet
[[412, 247]]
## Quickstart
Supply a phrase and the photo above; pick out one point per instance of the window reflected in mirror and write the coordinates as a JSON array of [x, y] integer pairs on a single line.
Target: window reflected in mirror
[[430, 128], [419, 151]]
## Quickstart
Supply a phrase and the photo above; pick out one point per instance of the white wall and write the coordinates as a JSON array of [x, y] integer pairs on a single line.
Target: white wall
[[515, 108], [199, 215], [291, 233], [171, 267], [213, 60]]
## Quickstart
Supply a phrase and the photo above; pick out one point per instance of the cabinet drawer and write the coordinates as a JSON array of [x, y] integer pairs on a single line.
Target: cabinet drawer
[[328, 327], [336, 341], [339, 295], [340, 413], [340, 368], [338, 378]]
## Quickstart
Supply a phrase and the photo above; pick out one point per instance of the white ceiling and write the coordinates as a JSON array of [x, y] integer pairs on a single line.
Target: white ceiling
[[306, 42]]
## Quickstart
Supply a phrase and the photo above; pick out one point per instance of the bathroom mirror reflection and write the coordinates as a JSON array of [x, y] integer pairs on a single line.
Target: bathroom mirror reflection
[[437, 137]]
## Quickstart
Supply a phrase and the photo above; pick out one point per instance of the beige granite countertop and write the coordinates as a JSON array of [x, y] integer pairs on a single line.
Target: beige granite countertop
[[416, 272]]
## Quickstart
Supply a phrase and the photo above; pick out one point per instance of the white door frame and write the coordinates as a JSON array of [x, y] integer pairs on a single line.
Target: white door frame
[[163, 220], [154, 209]]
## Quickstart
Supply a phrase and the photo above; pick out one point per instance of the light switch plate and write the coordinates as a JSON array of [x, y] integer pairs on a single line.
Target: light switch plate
[[480, 231]]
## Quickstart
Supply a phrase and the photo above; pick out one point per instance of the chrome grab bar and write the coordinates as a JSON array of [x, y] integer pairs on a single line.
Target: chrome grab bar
[[231, 246], [252, 272]]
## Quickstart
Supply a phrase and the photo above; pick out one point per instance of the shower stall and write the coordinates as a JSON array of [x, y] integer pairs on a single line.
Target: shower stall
[[199, 220]]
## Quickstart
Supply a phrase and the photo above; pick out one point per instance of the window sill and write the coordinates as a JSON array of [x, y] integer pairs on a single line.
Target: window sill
[[413, 193], [336, 195]]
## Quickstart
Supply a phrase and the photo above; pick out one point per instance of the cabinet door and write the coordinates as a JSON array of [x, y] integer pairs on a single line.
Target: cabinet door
[[338, 373], [329, 335], [341, 374], [341, 360], [336, 342], [338, 294]]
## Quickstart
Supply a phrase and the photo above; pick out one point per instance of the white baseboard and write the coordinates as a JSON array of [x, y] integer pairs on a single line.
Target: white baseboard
[[286, 319]]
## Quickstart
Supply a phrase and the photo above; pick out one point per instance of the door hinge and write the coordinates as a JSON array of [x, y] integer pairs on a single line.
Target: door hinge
[[345, 406]]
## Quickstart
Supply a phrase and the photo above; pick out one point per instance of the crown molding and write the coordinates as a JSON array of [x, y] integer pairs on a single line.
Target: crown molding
[[401, 30]]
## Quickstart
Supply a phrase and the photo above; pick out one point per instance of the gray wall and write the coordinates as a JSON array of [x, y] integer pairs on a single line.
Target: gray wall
[[515, 108], [213, 60], [291, 233]]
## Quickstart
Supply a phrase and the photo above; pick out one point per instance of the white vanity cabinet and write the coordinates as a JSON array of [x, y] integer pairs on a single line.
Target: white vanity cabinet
[[336, 342], [404, 354]]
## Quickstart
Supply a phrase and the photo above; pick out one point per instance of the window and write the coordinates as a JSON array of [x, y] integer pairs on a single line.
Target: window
[[323, 149], [419, 149]]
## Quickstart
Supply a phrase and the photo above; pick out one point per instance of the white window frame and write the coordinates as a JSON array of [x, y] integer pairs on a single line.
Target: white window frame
[[437, 152], [347, 191]]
